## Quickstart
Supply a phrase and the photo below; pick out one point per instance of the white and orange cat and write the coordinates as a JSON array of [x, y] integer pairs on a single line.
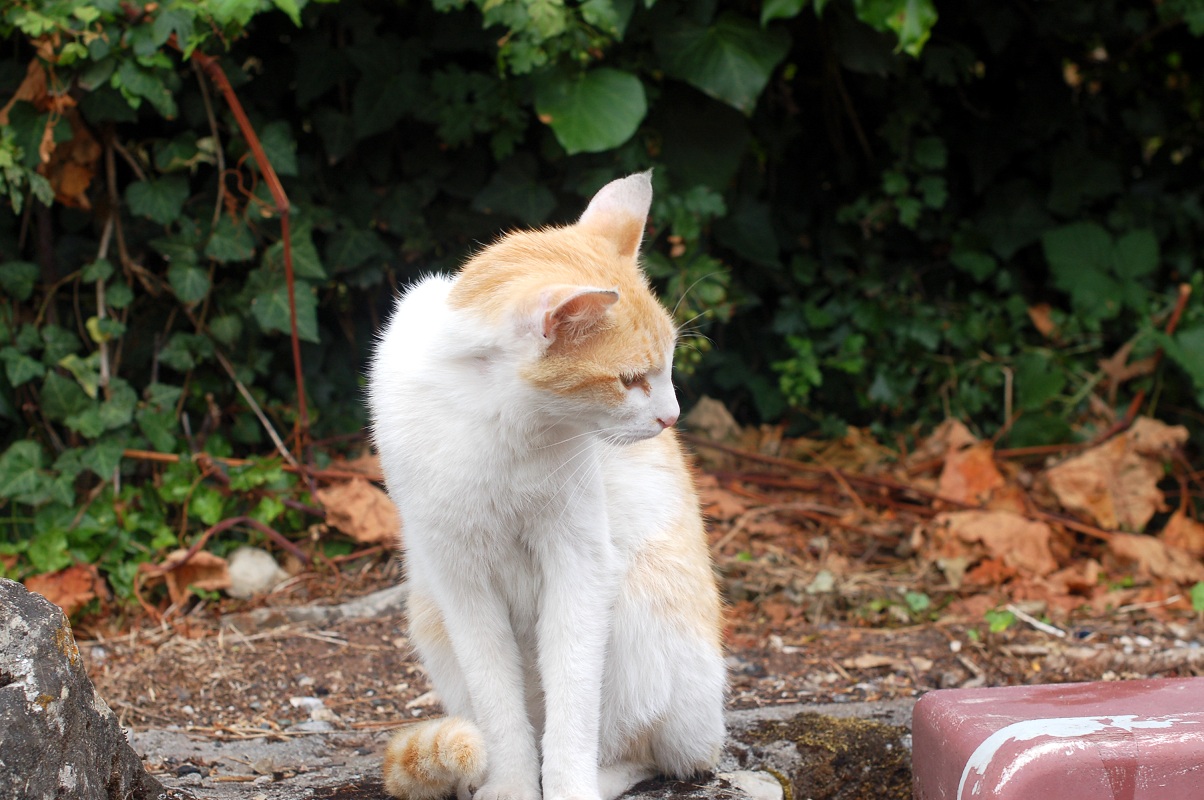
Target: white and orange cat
[[560, 589]]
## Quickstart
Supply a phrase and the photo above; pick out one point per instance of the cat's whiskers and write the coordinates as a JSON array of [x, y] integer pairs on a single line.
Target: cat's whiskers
[[585, 469], [689, 289]]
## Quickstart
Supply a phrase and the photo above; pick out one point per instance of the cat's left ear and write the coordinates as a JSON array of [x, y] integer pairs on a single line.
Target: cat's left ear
[[619, 211], [571, 312]]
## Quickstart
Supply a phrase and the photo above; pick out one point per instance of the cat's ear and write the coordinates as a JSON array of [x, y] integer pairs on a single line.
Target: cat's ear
[[619, 211], [570, 312]]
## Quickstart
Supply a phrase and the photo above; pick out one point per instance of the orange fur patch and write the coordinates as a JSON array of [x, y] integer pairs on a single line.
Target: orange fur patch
[[508, 281], [428, 759]]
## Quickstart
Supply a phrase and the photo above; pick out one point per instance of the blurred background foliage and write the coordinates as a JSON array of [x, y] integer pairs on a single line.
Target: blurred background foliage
[[868, 212]]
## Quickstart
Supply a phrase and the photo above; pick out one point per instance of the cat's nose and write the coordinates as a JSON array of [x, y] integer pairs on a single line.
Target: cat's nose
[[667, 422]]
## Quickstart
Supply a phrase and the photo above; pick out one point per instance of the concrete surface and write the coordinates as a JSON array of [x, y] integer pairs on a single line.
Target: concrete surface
[[346, 766]]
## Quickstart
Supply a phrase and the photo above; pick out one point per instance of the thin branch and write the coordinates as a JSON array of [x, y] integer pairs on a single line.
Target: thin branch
[[211, 68], [217, 145]]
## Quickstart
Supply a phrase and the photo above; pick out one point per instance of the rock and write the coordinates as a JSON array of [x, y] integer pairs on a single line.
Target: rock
[[757, 784], [58, 739], [253, 571], [385, 601]]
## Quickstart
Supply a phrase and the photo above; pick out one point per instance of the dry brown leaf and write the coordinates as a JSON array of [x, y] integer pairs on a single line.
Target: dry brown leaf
[[1021, 543], [1008, 497], [31, 90], [1184, 533], [360, 510], [1155, 559], [70, 589], [203, 571], [1116, 483], [1119, 369], [1155, 439], [367, 465], [990, 572], [71, 165], [1079, 577], [1040, 317], [970, 475], [719, 504], [950, 436]]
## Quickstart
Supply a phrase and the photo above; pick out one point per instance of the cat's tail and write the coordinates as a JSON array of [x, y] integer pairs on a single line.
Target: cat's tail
[[434, 759]]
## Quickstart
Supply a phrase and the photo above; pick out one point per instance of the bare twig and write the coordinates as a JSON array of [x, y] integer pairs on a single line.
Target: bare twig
[[212, 69]]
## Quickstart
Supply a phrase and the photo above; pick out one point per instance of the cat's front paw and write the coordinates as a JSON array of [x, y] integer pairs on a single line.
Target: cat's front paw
[[502, 790]]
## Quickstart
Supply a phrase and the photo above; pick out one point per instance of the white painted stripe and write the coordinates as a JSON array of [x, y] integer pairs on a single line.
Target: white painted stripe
[[1060, 728]]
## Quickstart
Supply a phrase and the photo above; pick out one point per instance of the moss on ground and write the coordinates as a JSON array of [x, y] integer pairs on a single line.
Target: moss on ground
[[839, 758]]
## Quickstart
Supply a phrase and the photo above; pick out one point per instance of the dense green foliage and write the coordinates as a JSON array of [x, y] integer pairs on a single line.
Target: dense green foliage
[[864, 206]]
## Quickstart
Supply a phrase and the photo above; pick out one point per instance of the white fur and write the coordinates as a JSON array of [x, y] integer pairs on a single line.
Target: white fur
[[523, 512], [524, 516]]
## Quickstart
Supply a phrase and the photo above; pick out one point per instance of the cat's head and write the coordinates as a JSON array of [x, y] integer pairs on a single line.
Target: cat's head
[[599, 344]]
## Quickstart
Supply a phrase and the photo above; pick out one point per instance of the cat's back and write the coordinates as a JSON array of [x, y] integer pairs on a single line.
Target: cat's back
[[408, 341]]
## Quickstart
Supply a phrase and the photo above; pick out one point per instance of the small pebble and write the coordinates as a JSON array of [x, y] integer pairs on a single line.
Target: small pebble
[[312, 726]]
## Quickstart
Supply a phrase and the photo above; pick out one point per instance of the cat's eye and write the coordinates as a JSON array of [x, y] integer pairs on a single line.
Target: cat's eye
[[637, 380]]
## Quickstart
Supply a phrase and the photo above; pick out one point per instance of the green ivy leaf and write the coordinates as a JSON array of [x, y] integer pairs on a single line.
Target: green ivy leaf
[[278, 144], [730, 60], [118, 410], [306, 261], [59, 342], [1038, 381], [62, 397], [19, 367], [184, 351], [88, 423], [226, 328], [352, 246], [1100, 275], [48, 551], [119, 295], [27, 127], [190, 283], [158, 199], [99, 270], [381, 99], [103, 457], [592, 111], [270, 308], [137, 83], [781, 9], [21, 475], [86, 371], [978, 265], [514, 191], [231, 240], [206, 504], [17, 279], [173, 20], [910, 20], [1184, 348], [290, 7]]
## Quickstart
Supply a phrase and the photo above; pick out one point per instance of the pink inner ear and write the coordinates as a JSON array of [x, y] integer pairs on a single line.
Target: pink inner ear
[[573, 315]]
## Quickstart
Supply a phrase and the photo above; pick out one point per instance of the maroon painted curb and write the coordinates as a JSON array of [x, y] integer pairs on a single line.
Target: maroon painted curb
[[1122, 740]]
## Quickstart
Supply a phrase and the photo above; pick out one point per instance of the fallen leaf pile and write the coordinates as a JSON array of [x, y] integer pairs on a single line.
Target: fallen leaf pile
[[1079, 527]]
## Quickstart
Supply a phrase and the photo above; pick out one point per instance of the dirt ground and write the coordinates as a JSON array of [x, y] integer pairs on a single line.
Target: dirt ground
[[229, 682], [838, 586]]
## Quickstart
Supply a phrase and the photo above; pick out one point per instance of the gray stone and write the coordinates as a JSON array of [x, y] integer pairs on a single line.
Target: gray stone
[[58, 739]]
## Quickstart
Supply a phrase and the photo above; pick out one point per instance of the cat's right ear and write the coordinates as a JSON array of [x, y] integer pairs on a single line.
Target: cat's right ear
[[571, 312], [619, 211]]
